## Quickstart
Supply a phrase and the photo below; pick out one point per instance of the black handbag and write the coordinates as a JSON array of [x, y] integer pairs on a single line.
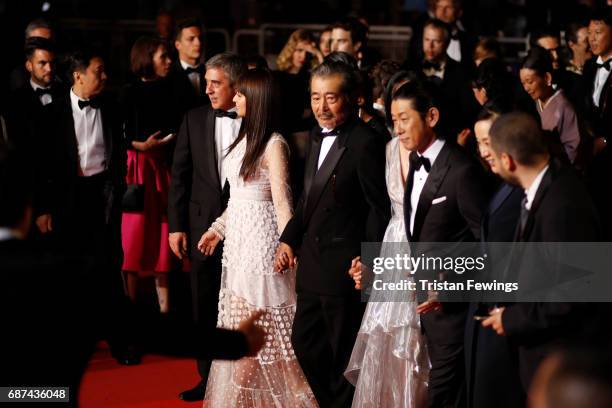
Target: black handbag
[[133, 198]]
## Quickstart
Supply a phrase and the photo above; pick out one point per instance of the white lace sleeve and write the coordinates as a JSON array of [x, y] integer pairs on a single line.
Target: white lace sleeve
[[277, 162], [218, 226]]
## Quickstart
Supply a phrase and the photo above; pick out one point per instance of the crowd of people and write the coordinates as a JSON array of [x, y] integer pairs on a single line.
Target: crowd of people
[[262, 184]]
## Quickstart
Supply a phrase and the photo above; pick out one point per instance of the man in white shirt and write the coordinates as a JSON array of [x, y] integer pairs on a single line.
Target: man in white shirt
[[81, 193]]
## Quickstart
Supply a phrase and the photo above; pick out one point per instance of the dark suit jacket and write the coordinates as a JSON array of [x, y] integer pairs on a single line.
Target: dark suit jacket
[[184, 96], [599, 118], [196, 198], [562, 211], [63, 175], [460, 179], [343, 204]]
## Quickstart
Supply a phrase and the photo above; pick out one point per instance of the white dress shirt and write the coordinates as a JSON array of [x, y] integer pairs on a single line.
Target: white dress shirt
[[226, 132], [454, 50], [600, 80], [436, 72], [326, 145], [6, 234], [531, 191], [420, 177], [90, 137], [45, 99], [194, 77]]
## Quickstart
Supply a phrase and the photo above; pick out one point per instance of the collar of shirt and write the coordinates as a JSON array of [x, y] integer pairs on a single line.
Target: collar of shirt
[[35, 86], [541, 106], [533, 188], [433, 151], [6, 234], [74, 100], [186, 65], [436, 72], [600, 60]]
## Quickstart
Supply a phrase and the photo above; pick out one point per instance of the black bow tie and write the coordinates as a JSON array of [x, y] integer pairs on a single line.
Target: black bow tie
[[199, 69], [417, 161], [322, 135], [92, 103], [42, 91], [605, 65], [220, 113], [432, 65]]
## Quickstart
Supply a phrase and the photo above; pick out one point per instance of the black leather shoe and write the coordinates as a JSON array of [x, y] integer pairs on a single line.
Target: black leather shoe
[[194, 394], [126, 355]]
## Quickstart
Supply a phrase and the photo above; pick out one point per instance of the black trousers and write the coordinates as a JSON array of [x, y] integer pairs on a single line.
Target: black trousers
[[205, 285], [324, 331], [445, 345]]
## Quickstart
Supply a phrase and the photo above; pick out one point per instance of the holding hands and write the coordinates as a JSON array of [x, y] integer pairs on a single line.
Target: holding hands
[[285, 259]]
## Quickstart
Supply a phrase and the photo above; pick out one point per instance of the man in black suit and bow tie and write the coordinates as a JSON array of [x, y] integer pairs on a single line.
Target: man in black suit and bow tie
[[344, 203], [187, 72], [556, 208], [458, 105], [29, 103], [199, 191], [80, 204], [443, 202]]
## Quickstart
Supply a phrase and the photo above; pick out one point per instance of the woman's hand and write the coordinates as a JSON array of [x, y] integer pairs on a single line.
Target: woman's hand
[[355, 272], [208, 243], [312, 49], [153, 142]]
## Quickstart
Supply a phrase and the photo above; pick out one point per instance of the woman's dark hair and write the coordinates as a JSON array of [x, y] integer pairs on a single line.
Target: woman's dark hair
[[259, 89], [141, 56], [397, 78], [381, 74], [539, 60], [493, 76]]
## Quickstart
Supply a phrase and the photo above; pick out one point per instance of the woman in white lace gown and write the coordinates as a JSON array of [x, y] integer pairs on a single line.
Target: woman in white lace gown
[[389, 366], [258, 209]]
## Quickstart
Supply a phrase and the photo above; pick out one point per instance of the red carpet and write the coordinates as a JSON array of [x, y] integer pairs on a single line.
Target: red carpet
[[155, 383]]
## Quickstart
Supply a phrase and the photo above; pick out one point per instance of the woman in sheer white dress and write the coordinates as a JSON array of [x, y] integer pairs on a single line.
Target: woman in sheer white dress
[[259, 207], [389, 365]]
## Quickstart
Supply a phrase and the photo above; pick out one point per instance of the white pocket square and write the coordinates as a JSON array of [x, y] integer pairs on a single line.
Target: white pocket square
[[438, 200]]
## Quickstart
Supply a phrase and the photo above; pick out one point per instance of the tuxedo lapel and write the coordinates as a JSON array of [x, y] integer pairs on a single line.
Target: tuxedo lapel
[[210, 148], [435, 178], [311, 165], [502, 194], [322, 176], [67, 134]]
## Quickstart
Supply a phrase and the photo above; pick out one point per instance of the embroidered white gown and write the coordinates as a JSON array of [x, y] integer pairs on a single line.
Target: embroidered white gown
[[257, 212], [389, 366]]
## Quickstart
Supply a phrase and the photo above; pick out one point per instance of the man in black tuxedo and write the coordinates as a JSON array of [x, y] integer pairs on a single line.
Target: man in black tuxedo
[[457, 102], [187, 72], [80, 204], [28, 115], [199, 191], [553, 192], [443, 202], [461, 44], [344, 203]]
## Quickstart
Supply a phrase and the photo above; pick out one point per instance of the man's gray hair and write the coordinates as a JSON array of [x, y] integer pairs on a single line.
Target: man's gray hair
[[36, 24], [331, 67], [232, 64]]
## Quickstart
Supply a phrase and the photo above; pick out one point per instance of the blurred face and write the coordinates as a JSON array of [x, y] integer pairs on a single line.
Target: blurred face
[[537, 86], [341, 41], [164, 25], [552, 45], [480, 54], [600, 38], [481, 128], [414, 131], [218, 89], [481, 95], [241, 104], [581, 48], [325, 43], [40, 66], [330, 107], [299, 54], [161, 62], [505, 166], [189, 45], [41, 32], [434, 47], [90, 82], [446, 11]]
